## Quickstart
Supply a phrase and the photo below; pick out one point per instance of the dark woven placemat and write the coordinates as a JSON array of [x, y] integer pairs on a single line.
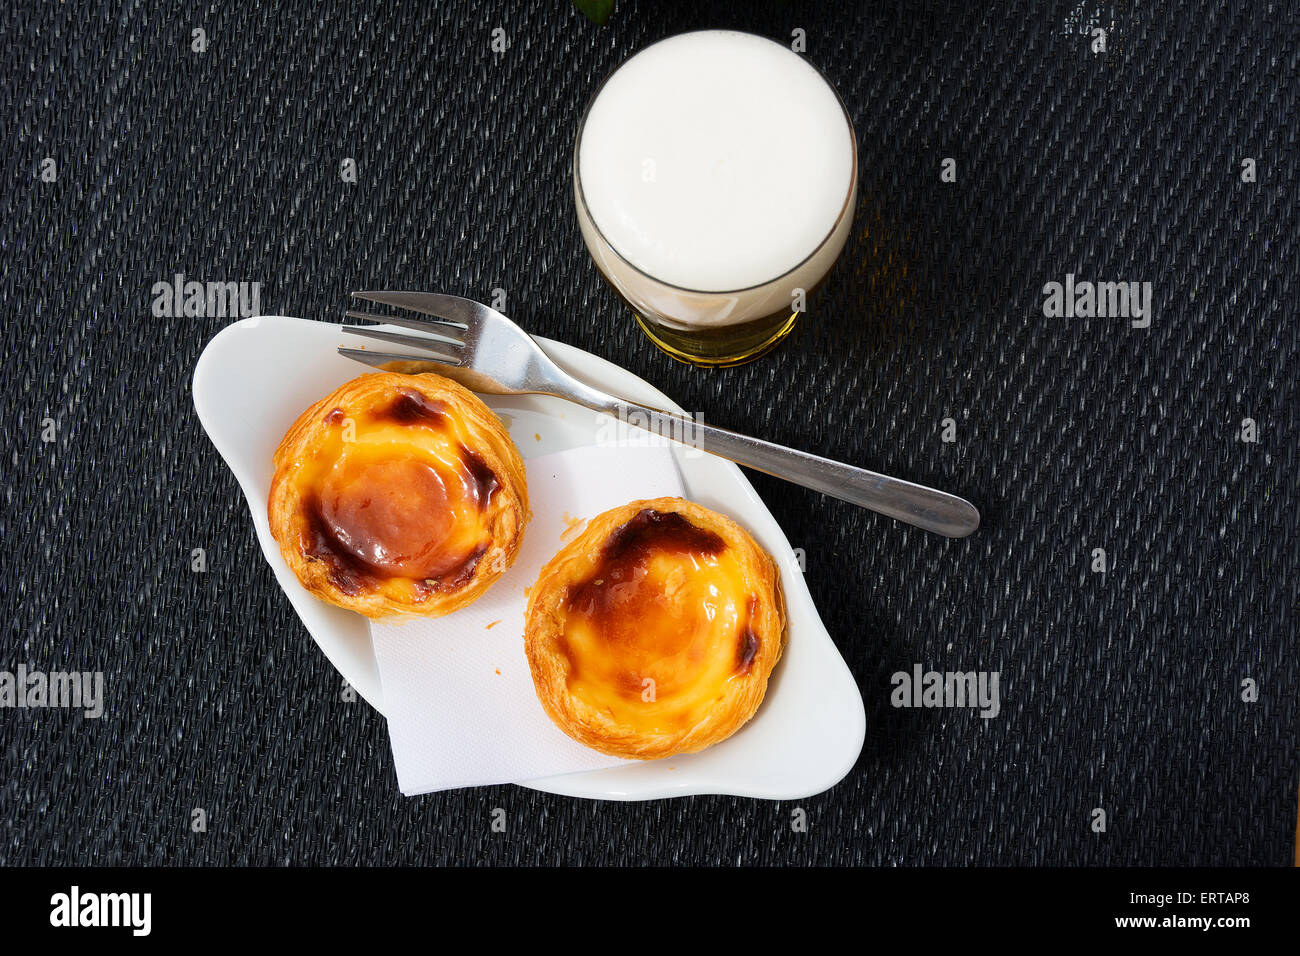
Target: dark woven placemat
[[1120, 690]]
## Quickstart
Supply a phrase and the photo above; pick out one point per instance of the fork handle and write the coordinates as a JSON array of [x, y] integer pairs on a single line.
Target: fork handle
[[925, 508]]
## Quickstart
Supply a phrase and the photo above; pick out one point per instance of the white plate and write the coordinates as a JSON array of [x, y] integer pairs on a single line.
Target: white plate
[[257, 375]]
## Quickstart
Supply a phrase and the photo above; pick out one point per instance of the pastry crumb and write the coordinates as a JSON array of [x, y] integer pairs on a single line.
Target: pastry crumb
[[572, 526]]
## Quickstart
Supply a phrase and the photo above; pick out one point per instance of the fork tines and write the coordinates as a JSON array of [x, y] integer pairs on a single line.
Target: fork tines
[[439, 330]]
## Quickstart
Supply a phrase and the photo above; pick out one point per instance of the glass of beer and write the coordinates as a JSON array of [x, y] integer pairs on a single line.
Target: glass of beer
[[715, 177]]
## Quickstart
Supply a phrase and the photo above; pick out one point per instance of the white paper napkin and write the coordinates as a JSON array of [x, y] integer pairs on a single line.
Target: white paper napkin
[[461, 706]]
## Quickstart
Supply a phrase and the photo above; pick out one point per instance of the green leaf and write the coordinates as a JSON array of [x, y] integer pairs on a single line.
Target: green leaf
[[597, 11]]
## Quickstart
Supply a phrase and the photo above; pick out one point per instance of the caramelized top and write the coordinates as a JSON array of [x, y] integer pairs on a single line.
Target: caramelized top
[[394, 493], [660, 626]]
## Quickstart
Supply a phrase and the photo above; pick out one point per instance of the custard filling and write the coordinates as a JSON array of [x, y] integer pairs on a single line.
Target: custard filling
[[393, 498], [661, 625]]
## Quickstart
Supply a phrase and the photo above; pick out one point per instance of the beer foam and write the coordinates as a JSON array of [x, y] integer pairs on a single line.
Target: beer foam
[[716, 160]]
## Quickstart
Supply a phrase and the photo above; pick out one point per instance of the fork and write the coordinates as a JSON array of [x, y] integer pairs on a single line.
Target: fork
[[486, 352]]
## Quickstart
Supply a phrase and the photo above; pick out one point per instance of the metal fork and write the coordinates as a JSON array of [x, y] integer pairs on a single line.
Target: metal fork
[[483, 350]]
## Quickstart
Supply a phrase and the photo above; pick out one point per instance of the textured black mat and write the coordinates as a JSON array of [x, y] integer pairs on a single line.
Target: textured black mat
[[1119, 690]]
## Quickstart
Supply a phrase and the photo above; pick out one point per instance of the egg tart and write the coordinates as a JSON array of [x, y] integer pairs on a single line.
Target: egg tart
[[654, 631], [398, 494]]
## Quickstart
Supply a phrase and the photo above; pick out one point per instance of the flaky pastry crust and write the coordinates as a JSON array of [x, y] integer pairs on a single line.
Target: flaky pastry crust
[[571, 683], [418, 412]]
